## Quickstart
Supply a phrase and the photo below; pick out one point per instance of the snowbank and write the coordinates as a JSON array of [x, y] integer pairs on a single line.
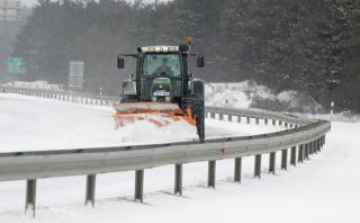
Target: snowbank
[[250, 94]]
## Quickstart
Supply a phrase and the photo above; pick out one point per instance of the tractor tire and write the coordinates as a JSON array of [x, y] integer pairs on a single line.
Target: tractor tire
[[199, 93], [200, 121], [196, 103]]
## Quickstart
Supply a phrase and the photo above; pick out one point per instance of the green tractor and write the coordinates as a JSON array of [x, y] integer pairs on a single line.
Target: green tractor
[[163, 85]]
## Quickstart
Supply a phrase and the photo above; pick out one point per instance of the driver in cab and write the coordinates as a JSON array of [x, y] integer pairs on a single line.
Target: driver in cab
[[164, 68]]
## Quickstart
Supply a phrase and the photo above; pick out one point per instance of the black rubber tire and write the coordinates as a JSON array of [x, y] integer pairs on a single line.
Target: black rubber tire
[[199, 93], [200, 121], [197, 105]]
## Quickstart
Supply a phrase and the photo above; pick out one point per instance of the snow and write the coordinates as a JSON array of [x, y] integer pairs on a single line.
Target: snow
[[239, 95], [248, 94], [44, 124], [323, 189]]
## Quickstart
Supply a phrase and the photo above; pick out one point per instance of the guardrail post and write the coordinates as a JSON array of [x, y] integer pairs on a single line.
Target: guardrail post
[[311, 146], [257, 168], [221, 116], [230, 118], [90, 189], [319, 144], [211, 173], [30, 195], [307, 151], [301, 153], [257, 121], [293, 156], [178, 179], [212, 115], [286, 124], [239, 119], [266, 121], [284, 158], [315, 146], [247, 120], [280, 122], [273, 122], [272, 161], [139, 185], [237, 171]]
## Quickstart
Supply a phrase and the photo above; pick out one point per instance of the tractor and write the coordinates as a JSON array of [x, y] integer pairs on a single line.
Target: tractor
[[163, 85]]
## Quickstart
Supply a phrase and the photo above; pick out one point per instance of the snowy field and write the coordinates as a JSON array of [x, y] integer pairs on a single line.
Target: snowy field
[[323, 189]]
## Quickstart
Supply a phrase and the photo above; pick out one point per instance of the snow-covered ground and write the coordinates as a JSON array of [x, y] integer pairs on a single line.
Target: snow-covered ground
[[28, 123], [323, 189]]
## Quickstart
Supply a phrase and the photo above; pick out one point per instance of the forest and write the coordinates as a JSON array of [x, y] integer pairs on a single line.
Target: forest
[[303, 45]]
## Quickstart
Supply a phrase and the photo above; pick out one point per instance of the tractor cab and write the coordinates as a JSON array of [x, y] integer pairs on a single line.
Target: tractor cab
[[161, 73]]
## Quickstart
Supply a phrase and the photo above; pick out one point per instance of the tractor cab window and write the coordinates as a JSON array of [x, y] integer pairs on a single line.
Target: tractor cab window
[[162, 65]]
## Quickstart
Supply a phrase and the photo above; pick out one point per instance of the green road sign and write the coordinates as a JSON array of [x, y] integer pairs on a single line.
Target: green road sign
[[16, 65]]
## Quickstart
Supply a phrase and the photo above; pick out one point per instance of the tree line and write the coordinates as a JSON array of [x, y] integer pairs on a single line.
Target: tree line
[[304, 45]]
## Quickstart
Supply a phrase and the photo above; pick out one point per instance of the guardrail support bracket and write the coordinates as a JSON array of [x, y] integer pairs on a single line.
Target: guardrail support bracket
[[178, 179], [211, 173], [257, 168], [239, 119], [301, 153], [30, 196], [237, 171], [293, 156], [284, 158], [139, 185], [90, 189], [307, 151], [272, 162]]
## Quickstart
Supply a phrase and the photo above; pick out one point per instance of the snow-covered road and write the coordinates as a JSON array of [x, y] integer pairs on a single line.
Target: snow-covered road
[[28, 123], [323, 189]]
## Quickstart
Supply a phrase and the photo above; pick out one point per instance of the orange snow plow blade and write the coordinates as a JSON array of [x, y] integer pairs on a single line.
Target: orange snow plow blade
[[159, 113]]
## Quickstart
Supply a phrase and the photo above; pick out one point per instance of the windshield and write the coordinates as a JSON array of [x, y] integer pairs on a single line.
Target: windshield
[[162, 64]]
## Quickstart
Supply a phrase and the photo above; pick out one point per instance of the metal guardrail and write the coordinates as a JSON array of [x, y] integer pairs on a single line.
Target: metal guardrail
[[75, 97], [302, 137]]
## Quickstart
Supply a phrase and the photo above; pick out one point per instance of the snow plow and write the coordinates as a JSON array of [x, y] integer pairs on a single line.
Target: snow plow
[[162, 91]]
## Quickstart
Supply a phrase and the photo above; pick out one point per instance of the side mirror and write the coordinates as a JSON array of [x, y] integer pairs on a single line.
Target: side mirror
[[120, 62], [201, 61]]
